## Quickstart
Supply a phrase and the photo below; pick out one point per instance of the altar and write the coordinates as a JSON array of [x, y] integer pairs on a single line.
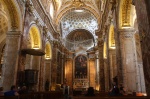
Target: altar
[[81, 84]]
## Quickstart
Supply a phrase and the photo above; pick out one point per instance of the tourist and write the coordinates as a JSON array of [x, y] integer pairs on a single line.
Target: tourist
[[66, 91], [23, 90], [12, 92], [1, 91]]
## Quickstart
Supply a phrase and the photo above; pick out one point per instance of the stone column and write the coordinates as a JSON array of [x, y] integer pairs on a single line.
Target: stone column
[[35, 65], [47, 72], [62, 69], [11, 55], [101, 67], [97, 70], [128, 59], [142, 11], [106, 75], [113, 67], [41, 74], [139, 65], [118, 57], [54, 67]]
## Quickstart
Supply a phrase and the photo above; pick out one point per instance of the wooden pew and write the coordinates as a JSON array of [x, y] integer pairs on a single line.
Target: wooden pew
[[9, 97]]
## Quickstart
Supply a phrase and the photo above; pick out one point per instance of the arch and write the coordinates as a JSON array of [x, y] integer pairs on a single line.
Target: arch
[[14, 14], [71, 8], [4, 24], [125, 14], [111, 37], [35, 38], [48, 50]]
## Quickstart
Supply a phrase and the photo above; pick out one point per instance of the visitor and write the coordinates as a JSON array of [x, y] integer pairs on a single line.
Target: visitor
[[122, 90], [12, 92], [47, 85], [66, 91], [23, 90], [1, 91], [90, 92], [114, 91]]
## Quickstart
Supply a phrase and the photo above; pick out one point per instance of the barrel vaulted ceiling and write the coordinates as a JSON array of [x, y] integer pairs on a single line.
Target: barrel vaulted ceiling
[[73, 15]]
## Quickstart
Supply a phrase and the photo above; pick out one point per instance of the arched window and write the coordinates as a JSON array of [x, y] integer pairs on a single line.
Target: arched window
[[48, 51], [35, 37]]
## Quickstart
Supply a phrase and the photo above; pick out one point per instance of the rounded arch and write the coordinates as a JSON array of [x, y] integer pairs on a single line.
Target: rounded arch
[[71, 8], [14, 13], [111, 37], [35, 37], [4, 24], [48, 50]]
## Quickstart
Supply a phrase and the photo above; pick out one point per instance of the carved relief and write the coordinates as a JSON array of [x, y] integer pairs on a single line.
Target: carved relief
[[127, 35], [111, 37], [78, 3], [126, 9], [3, 25]]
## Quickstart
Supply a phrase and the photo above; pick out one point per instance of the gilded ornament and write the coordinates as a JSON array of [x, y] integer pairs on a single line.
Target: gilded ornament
[[78, 3]]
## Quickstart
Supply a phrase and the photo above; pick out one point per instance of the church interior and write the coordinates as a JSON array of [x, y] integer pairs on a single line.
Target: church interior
[[82, 43]]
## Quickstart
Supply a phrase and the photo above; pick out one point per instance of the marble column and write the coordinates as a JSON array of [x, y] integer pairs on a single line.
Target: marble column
[[35, 65], [139, 65], [97, 70], [41, 74], [106, 75], [113, 67], [47, 72], [11, 55], [54, 68], [142, 11], [128, 59], [101, 67]]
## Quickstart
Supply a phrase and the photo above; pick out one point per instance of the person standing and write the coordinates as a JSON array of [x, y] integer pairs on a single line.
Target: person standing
[[47, 85], [66, 91], [1, 91]]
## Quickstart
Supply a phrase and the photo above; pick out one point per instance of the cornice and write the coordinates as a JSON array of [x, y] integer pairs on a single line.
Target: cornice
[[42, 13]]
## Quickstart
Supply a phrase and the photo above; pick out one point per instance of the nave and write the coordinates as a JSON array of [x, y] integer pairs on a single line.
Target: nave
[[45, 44]]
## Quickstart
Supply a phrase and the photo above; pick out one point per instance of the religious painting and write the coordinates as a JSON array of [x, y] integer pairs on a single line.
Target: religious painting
[[81, 67]]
